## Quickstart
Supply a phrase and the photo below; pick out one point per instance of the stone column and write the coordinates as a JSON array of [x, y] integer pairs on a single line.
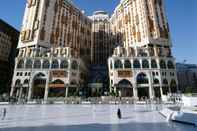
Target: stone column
[[12, 91], [67, 89], [135, 92], [161, 90], [30, 89], [20, 92], [151, 88], [115, 89], [46, 90]]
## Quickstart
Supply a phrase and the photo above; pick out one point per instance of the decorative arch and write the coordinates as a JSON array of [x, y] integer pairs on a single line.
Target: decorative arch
[[74, 65], [28, 64], [145, 64], [20, 64], [57, 88], [127, 64], [142, 78], [165, 82], [37, 64], [17, 82], [131, 52], [58, 81], [125, 84], [170, 65], [136, 64], [39, 83], [64, 64], [153, 64], [165, 86], [55, 64], [156, 81], [118, 64], [125, 88], [46, 64], [73, 82], [173, 86], [26, 81], [39, 75], [162, 64]]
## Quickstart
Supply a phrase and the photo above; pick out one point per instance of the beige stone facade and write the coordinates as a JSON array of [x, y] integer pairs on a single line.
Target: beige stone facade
[[142, 66]]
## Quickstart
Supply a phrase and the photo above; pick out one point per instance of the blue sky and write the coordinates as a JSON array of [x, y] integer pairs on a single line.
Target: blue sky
[[182, 16]]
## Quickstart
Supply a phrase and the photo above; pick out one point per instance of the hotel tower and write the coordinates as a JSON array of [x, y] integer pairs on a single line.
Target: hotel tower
[[58, 44], [142, 65]]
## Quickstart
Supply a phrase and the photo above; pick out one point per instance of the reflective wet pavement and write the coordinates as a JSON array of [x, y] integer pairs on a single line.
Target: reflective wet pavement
[[87, 118]]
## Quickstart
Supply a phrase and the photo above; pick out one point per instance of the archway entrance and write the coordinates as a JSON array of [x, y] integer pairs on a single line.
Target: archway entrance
[[57, 89], [125, 88], [165, 87], [39, 83], [143, 93], [142, 86], [157, 92], [173, 86]]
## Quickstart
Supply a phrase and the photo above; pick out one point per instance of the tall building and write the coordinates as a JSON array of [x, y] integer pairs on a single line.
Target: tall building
[[142, 65], [54, 23], [8, 52], [101, 38], [60, 47], [101, 49], [187, 77], [50, 28]]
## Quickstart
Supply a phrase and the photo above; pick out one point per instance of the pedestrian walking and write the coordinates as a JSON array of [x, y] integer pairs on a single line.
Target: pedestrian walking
[[4, 112], [119, 113]]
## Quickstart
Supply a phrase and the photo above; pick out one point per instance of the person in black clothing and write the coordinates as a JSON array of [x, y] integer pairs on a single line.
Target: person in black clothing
[[119, 113], [4, 113]]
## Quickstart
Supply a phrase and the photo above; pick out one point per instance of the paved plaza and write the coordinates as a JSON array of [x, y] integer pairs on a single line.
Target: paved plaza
[[87, 118]]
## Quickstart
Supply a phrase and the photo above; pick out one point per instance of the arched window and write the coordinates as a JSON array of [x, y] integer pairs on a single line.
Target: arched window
[[173, 86], [26, 81], [131, 52], [127, 64], [111, 65], [18, 82], [46, 64], [162, 64], [156, 81], [165, 82], [37, 64], [55, 64], [170, 65], [73, 82], [20, 64], [136, 64], [142, 53], [145, 64], [142, 79], [118, 64], [153, 64], [74, 65], [64, 64], [29, 64]]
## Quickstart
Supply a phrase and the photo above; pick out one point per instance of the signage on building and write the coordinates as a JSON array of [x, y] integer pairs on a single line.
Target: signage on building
[[125, 73], [95, 85], [56, 85], [58, 74]]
